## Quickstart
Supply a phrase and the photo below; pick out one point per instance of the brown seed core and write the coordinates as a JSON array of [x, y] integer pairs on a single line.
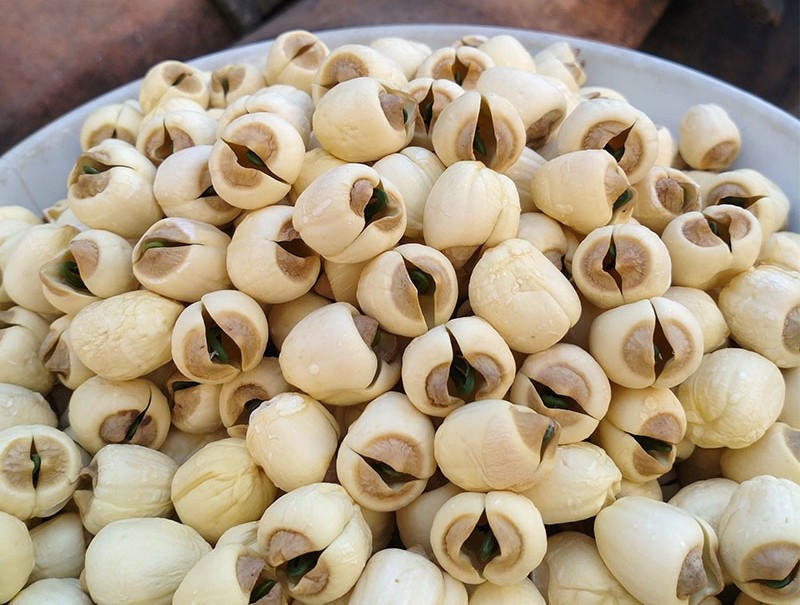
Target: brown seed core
[[791, 330], [692, 577]]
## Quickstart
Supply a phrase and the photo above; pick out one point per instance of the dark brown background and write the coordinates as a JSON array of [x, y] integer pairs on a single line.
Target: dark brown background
[[54, 56]]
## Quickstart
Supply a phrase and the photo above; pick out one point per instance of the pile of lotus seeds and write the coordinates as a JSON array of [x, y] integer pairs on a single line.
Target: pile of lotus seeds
[[390, 324]]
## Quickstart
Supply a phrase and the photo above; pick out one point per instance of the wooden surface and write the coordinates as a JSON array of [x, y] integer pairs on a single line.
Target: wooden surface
[[725, 40], [621, 22], [54, 56]]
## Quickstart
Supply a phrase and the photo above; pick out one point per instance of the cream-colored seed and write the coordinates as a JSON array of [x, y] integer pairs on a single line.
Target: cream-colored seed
[[708, 248], [521, 172], [782, 248], [386, 457], [195, 407], [291, 104], [461, 361], [521, 293], [283, 316], [268, 260], [583, 480], [350, 61], [182, 259], [708, 138], [777, 453], [479, 127], [16, 556], [460, 64], [180, 445], [294, 58], [363, 120], [573, 572], [53, 591], [173, 80], [125, 336], [349, 214], [521, 593], [762, 556], [239, 397], [415, 519], [565, 383], [560, 60], [590, 93], [58, 355], [658, 552], [432, 96], [255, 159], [706, 499], [616, 127], [649, 489], [662, 194], [27, 254], [293, 438], [219, 336], [228, 574], [541, 106], [233, 81], [141, 561], [408, 54], [749, 189], [134, 411], [244, 534], [339, 281], [20, 405], [182, 187], [495, 445], [163, 133], [111, 188], [220, 486], [582, 189], [322, 519], [762, 308], [39, 470], [409, 289], [59, 546], [413, 170], [620, 264], [506, 51], [641, 430], [112, 121], [732, 398], [655, 342], [497, 537], [315, 162], [126, 481], [469, 206], [22, 333], [413, 578], [705, 309], [333, 355], [546, 234]]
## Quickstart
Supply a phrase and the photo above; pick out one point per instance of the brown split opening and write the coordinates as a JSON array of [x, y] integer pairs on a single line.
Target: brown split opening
[[484, 141], [662, 349], [610, 263], [481, 545], [248, 158], [554, 400], [674, 196], [425, 285]]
